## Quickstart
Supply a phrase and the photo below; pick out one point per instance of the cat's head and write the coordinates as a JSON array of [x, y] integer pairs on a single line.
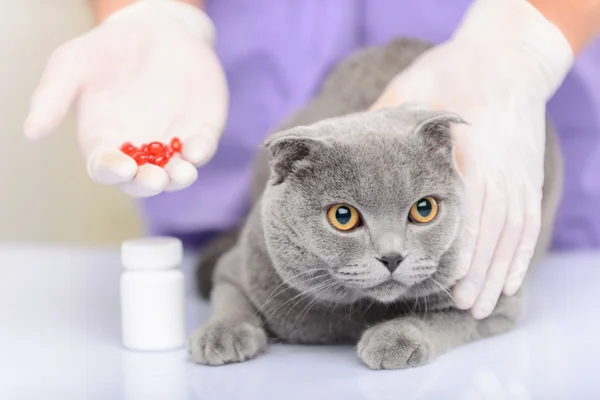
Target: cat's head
[[365, 206]]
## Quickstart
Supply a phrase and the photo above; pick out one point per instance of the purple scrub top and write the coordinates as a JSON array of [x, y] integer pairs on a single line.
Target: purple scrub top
[[276, 53]]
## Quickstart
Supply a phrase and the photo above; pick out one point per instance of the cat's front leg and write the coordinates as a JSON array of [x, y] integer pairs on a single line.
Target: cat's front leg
[[416, 340], [233, 332]]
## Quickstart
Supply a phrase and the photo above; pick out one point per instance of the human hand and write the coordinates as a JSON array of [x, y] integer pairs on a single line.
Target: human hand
[[147, 73], [497, 72]]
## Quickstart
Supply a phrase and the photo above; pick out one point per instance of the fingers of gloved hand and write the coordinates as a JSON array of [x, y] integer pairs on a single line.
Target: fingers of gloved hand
[[474, 194], [503, 256], [181, 174], [199, 148], [525, 249], [55, 93], [111, 166], [493, 217], [150, 180]]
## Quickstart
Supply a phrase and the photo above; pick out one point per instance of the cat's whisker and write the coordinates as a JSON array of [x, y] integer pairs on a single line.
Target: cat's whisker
[[289, 287], [332, 314], [286, 282], [319, 289], [406, 304], [300, 297], [329, 304], [288, 279], [425, 314], [311, 305], [351, 305], [414, 308], [417, 303], [444, 290], [304, 313], [370, 305]]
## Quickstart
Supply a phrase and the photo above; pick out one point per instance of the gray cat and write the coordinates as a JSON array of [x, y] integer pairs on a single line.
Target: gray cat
[[354, 234]]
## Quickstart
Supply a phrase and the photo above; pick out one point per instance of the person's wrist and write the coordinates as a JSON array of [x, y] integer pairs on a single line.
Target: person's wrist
[[105, 8], [579, 21], [515, 31], [191, 17]]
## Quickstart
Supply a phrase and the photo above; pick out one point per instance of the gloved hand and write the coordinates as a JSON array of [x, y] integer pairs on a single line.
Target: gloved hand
[[147, 73], [497, 72]]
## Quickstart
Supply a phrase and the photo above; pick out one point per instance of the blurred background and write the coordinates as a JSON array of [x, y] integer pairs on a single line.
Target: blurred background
[[45, 193]]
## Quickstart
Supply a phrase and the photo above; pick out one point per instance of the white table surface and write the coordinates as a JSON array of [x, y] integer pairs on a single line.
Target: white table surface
[[60, 339]]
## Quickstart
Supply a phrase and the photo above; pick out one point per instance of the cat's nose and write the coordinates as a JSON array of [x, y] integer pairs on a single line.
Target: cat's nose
[[391, 261]]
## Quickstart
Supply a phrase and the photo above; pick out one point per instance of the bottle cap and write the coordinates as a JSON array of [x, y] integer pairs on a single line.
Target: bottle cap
[[151, 254]]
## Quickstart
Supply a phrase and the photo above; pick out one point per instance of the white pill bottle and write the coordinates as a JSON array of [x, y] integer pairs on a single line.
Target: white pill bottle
[[152, 294]]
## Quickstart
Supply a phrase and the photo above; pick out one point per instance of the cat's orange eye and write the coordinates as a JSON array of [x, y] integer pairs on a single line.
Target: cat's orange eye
[[423, 211], [343, 217]]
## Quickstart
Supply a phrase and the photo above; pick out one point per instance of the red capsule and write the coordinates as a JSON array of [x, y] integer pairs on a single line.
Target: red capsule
[[139, 157], [176, 145], [161, 160], [169, 151], [144, 148], [156, 148], [128, 148]]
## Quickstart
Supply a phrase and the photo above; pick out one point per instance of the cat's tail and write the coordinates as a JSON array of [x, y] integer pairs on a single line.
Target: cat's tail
[[209, 256]]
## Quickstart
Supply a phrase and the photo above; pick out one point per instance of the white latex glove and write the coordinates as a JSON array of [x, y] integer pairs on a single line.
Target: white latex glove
[[147, 73], [497, 72]]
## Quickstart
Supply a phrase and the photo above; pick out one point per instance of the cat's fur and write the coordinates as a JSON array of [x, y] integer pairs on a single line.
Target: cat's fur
[[290, 275]]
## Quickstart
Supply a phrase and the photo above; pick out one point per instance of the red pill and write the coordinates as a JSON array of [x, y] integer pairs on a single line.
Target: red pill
[[128, 148], [156, 148], [169, 151], [139, 157], [144, 148], [161, 160], [176, 145]]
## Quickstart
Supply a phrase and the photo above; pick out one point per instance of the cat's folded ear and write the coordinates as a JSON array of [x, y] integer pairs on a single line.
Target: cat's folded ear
[[435, 129], [292, 151]]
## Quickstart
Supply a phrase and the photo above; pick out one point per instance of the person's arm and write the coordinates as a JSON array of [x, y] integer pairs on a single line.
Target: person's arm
[[104, 8], [578, 20]]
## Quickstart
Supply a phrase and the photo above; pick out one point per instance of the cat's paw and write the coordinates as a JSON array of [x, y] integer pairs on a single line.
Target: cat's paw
[[395, 345], [226, 341]]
